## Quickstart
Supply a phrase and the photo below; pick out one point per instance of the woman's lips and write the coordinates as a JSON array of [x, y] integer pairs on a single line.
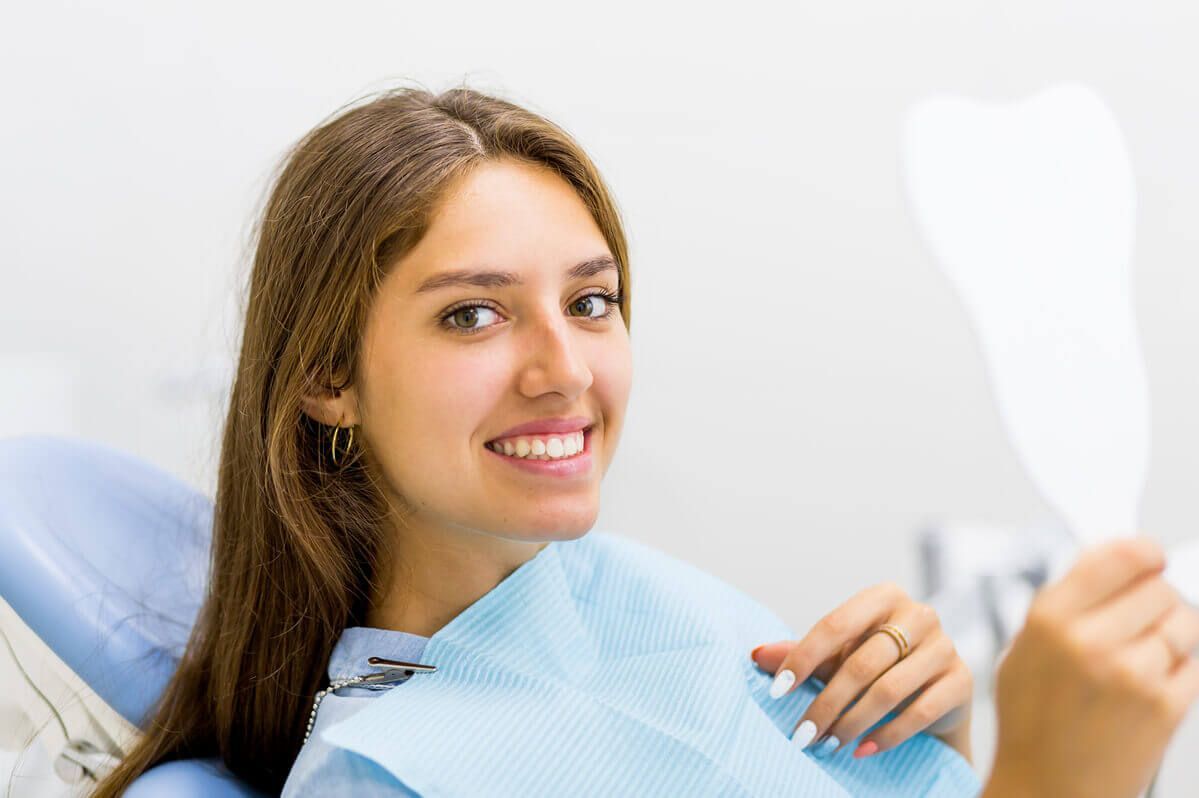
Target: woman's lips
[[543, 435], [547, 426], [576, 465]]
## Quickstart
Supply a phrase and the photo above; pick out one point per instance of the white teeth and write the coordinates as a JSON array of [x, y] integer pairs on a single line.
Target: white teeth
[[549, 448]]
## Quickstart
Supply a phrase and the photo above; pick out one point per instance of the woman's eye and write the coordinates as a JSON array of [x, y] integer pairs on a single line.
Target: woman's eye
[[464, 319], [586, 304], [610, 304]]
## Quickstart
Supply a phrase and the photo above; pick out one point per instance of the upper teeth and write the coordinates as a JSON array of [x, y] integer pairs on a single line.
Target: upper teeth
[[549, 447]]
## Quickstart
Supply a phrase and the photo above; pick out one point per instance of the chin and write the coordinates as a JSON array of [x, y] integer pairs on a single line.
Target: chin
[[564, 529], [573, 535]]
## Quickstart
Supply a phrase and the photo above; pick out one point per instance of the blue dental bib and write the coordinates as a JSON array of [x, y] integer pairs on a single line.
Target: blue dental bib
[[604, 667]]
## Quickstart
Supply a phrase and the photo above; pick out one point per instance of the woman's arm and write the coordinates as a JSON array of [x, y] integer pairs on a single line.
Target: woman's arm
[[340, 773]]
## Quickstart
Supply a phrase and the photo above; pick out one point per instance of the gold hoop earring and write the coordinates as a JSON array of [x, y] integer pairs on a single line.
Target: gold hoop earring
[[333, 443]]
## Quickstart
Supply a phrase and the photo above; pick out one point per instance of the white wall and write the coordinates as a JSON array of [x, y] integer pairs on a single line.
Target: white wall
[[807, 389]]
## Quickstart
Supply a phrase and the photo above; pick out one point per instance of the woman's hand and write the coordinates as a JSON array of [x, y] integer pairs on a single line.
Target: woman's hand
[[846, 652], [1095, 684]]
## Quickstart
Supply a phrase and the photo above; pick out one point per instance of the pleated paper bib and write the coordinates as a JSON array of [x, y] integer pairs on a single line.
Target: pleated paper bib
[[604, 667]]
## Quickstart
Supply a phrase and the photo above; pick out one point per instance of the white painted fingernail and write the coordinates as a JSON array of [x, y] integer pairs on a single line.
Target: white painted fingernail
[[804, 734], [782, 683]]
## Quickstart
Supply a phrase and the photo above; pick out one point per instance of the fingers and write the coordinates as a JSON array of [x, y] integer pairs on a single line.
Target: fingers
[[931, 661], [1181, 628], [876, 656], [852, 621], [1147, 659], [1182, 686], [938, 698], [1130, 612], [1102, 571], [1160, 655], [769, 657]]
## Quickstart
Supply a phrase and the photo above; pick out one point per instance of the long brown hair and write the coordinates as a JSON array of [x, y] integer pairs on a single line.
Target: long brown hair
[[297, 541]]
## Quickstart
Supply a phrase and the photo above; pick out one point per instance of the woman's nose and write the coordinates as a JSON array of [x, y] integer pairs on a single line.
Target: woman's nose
[[555, 361]]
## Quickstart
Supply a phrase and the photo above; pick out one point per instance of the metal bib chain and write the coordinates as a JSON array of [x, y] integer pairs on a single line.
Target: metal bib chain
[[396, 670]]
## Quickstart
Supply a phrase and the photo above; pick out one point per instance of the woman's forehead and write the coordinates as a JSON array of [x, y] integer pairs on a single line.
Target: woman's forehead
[[504, 225]]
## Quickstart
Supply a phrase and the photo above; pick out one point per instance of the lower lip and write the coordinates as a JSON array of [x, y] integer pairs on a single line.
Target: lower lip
[[568, 467]]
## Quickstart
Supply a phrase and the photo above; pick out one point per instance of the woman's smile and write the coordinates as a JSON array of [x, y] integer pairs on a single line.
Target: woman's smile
[[560, 455]]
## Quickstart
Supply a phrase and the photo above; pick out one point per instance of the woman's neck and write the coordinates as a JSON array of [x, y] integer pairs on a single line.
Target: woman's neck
[[431, 577]]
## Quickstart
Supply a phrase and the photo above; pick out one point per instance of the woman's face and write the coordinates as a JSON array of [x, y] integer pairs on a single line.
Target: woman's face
[[448, 367]]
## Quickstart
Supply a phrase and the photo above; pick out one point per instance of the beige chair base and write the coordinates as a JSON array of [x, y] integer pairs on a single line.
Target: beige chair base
[[57, 737]]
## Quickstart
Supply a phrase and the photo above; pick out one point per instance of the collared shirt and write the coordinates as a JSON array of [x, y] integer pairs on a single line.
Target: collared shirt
[[322, 769]]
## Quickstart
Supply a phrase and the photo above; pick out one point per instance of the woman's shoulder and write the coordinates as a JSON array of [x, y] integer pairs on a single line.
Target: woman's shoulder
[[618, 551], [322, 770], [619, 568], [607, 558]]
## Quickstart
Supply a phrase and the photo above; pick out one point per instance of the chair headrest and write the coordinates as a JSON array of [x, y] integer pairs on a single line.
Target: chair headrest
[[106, 559]]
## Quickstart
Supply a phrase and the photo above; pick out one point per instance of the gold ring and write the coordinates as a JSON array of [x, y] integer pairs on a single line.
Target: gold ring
[[897, 634]]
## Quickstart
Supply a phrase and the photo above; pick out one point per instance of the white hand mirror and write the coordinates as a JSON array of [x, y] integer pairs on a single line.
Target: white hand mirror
[[1029, 209]]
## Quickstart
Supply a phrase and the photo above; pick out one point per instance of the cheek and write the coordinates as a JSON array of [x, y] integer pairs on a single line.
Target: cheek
[[440, 401], [613, 370]]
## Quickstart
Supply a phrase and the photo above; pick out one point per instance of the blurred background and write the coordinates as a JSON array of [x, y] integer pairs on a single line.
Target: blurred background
[[808, 394]]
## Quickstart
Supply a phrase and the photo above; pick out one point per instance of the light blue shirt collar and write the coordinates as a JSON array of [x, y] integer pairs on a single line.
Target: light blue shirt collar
[[357, 643]]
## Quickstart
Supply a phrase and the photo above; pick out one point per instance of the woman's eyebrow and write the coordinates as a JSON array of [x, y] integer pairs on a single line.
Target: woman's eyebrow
[[498, 279]]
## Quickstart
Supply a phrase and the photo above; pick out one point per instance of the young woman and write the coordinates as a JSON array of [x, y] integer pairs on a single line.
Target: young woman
[[432, 383]]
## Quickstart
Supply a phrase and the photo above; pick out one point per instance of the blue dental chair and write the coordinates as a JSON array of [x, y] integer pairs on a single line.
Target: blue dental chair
[[105, 558]]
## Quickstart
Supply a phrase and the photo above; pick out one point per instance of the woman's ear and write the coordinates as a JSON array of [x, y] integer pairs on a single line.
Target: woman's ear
[[333, 408]]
